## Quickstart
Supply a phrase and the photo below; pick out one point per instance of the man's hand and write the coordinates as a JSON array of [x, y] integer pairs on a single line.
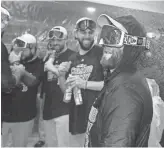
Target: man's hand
[[13, 57], [64, 68], [75, 81], [18, 72], [50, 67]]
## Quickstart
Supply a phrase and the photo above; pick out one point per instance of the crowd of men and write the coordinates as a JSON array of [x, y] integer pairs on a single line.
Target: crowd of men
[[95, 97]]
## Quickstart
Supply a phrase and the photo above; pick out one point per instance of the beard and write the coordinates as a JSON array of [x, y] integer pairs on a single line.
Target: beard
[[26, 58], [84, 46], [57, 48], [112, 58], [109, 63]]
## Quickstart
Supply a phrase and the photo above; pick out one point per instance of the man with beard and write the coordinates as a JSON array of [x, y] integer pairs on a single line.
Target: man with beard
[[55, 112], [22, 111], [86, 79], [121, 116]]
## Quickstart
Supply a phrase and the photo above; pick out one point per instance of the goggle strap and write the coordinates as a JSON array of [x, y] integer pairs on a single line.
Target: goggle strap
[[136, 41]]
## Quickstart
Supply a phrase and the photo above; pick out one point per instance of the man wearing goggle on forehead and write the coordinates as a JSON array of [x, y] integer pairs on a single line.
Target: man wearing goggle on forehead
[[55, 115], [85, 33], [57, 38], [114, 35], [86, 74]]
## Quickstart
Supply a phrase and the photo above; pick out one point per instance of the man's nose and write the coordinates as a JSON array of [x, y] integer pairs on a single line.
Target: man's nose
[[87, 35], [53, 43]]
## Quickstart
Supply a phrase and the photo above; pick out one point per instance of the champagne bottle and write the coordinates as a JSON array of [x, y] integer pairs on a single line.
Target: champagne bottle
[[77, 96]]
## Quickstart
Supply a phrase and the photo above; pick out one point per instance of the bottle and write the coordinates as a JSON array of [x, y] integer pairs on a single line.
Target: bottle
[[68, 93], [51, 59], [77, 96]]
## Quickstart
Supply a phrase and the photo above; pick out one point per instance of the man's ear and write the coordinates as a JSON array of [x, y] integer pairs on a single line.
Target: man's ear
[[75, 34]]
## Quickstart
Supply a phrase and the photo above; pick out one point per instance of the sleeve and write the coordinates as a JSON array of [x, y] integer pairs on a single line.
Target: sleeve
[[121, 123], [35, 77], [7, 79]]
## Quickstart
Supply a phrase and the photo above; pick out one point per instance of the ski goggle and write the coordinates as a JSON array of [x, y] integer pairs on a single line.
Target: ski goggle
[[5, 18], [86, 24], [113, 37], [22, 44], [57, 34]]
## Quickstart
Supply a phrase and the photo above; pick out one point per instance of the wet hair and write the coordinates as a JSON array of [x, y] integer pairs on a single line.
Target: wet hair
[[130, 53]]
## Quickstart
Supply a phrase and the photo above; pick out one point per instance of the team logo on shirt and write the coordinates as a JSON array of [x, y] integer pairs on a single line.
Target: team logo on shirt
[[92, 118], [82, 70]]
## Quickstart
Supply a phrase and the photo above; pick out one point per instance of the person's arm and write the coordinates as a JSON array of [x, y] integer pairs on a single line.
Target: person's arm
[[29, 79], [62, 83], [93, 85], [54, 70], [75, 81], [121, 118], [50, 67], [8, 81]]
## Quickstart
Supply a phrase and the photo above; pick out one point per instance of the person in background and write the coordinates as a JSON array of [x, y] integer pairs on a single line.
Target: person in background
[[56, 111], [9, 80], [23, 110], [85, 78], [42, 54], [122, 114], [157, 124], [161, 87]]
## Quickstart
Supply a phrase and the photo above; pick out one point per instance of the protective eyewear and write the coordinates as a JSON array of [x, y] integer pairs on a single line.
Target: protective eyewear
[[4, 18], [86, 24], [22, 44], [57, 34], [113, 37]]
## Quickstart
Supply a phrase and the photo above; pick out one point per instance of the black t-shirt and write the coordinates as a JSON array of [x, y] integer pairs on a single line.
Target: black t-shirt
[[7, 81], [23, 106], [54, 105], [87, 66]]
